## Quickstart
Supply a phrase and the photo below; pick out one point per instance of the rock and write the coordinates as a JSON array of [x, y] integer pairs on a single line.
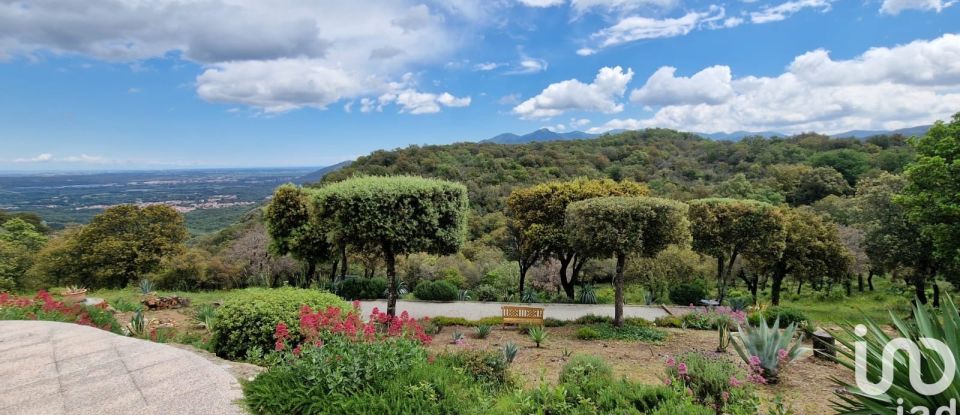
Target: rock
[[154, 302], [824, 345], [97, 302]]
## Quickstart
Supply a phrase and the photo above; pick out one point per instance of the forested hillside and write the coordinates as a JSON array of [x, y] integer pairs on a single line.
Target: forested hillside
[[800, 169]]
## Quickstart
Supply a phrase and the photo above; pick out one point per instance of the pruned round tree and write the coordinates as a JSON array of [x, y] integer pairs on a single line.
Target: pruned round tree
[[538, 214], [726, 229], [623, 226], [295, 230], [395, 216]]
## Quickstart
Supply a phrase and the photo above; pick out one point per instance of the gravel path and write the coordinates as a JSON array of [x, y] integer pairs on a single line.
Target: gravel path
[[474, 310], [60, 368]]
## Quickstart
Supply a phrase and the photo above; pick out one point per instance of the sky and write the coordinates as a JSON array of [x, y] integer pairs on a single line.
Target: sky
[[137, 84]]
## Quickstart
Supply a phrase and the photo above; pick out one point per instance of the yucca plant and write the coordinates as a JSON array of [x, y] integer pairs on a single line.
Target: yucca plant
[[723, 331], [510, 351], [457, 338], [483, 331], [464, 295], [587, 294], [138, 325], [537, 334], [206, 314], [766, 349], [943, 326], [146, 286]]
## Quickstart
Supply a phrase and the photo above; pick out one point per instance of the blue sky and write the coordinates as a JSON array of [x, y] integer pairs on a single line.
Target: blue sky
[[113, 84]]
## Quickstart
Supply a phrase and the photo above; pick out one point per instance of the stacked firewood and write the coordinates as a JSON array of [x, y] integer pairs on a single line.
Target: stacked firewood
[[154, 302]]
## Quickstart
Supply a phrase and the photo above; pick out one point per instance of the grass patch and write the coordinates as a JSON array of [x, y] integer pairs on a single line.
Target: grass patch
[[629, 332]]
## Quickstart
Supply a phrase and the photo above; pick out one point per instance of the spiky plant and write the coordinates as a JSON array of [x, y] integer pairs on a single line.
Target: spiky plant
[[766, 349], [529, 296], [510, 351], [464, 295], [457, 338], [723, 331], [587, 294], [943, 326], [138, 325], [146, 286], [537, 334], [206, 314], [483, 331]]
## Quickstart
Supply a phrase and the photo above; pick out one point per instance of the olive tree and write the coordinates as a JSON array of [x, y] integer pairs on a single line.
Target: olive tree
[[539, 214], [295, 230], [622, 226], [725, 229], [395, 215]]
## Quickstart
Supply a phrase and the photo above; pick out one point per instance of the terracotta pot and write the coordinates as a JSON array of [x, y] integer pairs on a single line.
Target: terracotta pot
[[74, 298]]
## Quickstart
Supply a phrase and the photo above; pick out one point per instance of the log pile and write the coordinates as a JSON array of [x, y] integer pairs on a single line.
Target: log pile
[[154, 302]]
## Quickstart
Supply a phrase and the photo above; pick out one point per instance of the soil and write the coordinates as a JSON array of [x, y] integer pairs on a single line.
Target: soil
[[806, 385]]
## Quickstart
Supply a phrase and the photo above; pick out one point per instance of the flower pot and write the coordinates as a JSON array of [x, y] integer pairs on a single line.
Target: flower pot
[[71, 298]]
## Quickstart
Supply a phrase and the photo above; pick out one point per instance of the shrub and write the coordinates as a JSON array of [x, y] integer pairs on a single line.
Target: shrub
[[584, 369], [537, 334], [601, 331], [593, 319], [460, 321], [485, 292], [587, 294], [711, 379], [588, 333], [482, 331], [436, 291], [686, 294], [248, 317], [785, 315], [510, 351], [355, 288], [484, 366], [552, 322], [669, 321], [766, 350], [941, 326], [44, 307]]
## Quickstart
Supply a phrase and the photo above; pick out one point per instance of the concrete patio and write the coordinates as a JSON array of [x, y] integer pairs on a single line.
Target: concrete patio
[[58, 368]]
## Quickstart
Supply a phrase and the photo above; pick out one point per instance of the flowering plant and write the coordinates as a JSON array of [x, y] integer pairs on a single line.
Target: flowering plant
[[44, 307], [712, 380]]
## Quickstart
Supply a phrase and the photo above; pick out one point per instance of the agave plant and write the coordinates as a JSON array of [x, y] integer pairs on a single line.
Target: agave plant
[[146, 286], [723, 331], [529, 296], [943, 326], [138, 325], [537, 334], [766, 349], [483, 331], [74, 289], [587, 294], [510, 351], [402, 289], [206, 314], [464, 295], [457, 338]]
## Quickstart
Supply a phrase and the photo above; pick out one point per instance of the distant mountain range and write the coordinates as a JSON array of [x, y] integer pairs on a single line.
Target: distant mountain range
[[545, 134], [315, 177]]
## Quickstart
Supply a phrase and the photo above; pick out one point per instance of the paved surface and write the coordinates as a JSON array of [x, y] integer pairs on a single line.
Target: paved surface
[[474, 310], [59, 368]]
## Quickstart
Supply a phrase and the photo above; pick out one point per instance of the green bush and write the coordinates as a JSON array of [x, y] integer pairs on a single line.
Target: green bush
[[248, 318], [552, 322], [588, 333], [602, 331], [669, 321], [485, 292], [355, 288], [686, 294], [488, 367], [583, 369], [442, 321], [708, 378], [786, 315], [436, 291]]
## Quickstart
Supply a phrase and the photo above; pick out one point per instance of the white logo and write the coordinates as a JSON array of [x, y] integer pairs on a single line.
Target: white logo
[[914, 358]]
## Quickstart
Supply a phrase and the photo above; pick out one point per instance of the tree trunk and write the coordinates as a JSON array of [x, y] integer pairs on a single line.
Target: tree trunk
[[920, 287], [860, 282], [849, 286], [775, 287], [936, 295], [752, 283], [578, 263], [391, 261], [870, 280], [799, 286], [523, 276], [618, 293], [720, 274], [311, 269], [343, 258], [565, 283]]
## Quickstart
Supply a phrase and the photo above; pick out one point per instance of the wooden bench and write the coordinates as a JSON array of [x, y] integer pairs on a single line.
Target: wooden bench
[[522, 316]]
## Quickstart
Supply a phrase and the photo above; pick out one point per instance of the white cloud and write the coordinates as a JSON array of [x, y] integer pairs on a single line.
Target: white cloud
[[601, 95], [577, 123], [40, 158], [134, 90], [784, 10], [710, 86], [486, 66], [277, 56], [884, 88], [635, 28], [894, 7], [510, 99], [542, 3], [621, 6], [586, 51], [528, 65]]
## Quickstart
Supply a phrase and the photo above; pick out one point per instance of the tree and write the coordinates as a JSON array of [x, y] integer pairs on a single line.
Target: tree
[[540, 214], [296, 231], [622, 226], [125, 243], [811, 249], [892, 240], [933, 194], [850, 163], [396, 216], [19, 242], [803, 185], [728, 228]]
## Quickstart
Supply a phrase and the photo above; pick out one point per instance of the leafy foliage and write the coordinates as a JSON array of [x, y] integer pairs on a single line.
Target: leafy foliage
[[356, 288], [436, 291], [44, 307], [686, 294], [767, 349], [247, 319]]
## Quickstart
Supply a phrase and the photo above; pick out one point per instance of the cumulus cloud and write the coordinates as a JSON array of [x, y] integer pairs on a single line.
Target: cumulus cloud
[[894, 7], [277, 56], [710, 86], [785, 10], [601, 95], [635, 28], [528, 65], [875, 90]]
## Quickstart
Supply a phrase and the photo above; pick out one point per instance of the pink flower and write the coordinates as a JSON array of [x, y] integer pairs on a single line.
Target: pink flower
[[682, 369], [671, 362], [782, 355], [668, 381], [726, 396], [754, 360], [356, 305], [734, 382]]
